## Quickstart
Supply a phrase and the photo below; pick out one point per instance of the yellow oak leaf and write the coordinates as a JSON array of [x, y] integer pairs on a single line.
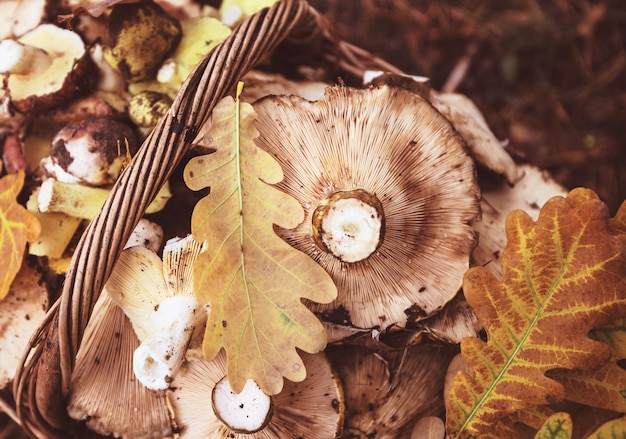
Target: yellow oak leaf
[[253, 280], [17, 227], [562, 276]]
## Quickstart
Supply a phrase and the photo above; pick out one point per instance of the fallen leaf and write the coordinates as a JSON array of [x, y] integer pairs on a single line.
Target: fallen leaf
[[557, 426], [615, 429], [604, 387], [17, 227], [562, 276], [253, 280]]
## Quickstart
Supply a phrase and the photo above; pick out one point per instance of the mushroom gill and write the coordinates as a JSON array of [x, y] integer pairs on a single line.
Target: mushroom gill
[[411, 192], [104, 391], [310, 409], [385, 396]]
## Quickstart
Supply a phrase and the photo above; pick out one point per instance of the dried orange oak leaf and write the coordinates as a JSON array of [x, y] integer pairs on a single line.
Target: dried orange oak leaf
[[17, 227], [253, 280], [562, 276], [604, 387]]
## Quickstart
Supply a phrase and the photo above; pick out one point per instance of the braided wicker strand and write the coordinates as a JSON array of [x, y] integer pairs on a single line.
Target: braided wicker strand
[[44, 378]]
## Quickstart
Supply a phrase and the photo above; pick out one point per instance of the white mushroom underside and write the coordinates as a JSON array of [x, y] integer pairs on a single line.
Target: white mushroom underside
[[247, 411], [351, 229]]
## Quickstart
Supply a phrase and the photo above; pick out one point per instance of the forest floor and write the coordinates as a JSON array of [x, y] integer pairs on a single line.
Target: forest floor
[[550, 77]]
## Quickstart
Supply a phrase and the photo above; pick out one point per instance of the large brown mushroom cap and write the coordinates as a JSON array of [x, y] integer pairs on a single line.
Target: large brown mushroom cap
[[310, 409], [393, 145]]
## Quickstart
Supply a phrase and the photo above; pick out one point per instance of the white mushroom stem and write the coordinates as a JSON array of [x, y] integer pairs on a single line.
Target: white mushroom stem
[[245, 412], [17, 58], [82, 201], [160, 356], [350, 225]]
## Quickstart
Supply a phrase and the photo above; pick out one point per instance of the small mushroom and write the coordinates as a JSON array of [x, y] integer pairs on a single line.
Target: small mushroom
[[386, 396], [389, 193], [205, 406], [139, 37], [147, 107], [47, 67], [91, 151], [158, 299]]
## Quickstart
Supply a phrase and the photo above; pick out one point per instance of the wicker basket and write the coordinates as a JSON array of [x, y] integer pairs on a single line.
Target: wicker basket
[[42, 381]]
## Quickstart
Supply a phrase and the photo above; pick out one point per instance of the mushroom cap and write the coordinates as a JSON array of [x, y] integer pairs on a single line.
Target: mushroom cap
[[139, 37], [91, 151], [67, 74], [311, 409], [104, 391], [386, 396], [140, 281], [21, 312], [394, 145]]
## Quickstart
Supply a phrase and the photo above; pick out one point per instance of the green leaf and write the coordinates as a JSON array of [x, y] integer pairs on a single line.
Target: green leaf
[[253, 280]]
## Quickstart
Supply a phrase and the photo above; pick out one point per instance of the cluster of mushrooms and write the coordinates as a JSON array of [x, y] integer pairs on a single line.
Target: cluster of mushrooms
[[386, 174]]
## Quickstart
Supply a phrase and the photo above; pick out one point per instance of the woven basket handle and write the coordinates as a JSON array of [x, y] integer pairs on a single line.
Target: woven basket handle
[[44, 378]]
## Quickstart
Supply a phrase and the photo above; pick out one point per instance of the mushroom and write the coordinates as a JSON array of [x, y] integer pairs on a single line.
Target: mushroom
[[104, 391], [385, 396], [91, 151], [158, 299], [21, 312], [147, 107], [82, 201], [139, 37], [204, 406], [388, 190], [430, 427], [499, 199], [455, 322], [47, 66]]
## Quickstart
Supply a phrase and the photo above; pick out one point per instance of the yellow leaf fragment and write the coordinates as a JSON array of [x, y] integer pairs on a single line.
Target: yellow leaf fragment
[[562, 276], [557, 426], [253, 280], [615, 429], [17, 227]]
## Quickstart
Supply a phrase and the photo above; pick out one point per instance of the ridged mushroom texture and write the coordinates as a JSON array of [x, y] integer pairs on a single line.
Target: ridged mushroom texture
[[104, 392], [205, 407], [387, 395], [389, 192]]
